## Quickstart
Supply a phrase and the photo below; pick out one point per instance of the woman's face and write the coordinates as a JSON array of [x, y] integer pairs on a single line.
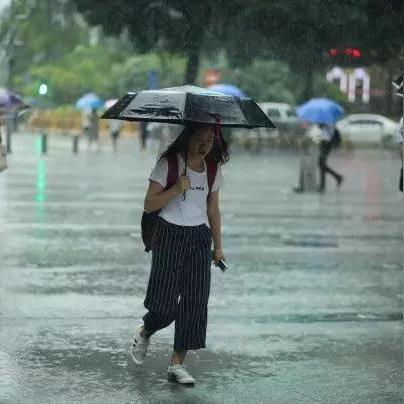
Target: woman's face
[[201, 142]]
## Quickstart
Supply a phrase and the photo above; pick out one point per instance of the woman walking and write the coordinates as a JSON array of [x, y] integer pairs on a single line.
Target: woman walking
[[179, 282]]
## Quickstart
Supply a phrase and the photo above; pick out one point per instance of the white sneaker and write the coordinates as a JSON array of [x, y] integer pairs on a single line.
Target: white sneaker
[[178, 373], [138, 347]]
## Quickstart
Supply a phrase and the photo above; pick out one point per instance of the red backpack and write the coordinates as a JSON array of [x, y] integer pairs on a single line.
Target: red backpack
[[149, 220]]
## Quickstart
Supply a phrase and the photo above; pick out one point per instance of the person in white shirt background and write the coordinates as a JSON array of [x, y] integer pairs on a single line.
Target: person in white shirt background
[[115, 127], [179, 283]]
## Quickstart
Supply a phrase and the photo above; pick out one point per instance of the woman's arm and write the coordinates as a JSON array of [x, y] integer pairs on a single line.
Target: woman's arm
[[156, 197], [215, 225]]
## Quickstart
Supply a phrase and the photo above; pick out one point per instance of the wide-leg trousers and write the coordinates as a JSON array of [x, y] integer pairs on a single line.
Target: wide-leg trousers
[[179, 283]]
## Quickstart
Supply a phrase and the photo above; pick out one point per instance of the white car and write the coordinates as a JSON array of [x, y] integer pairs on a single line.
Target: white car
[[368, 129]]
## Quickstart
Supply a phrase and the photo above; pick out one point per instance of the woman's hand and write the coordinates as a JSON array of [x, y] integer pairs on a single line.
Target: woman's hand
[[183, 184], [218, 255]]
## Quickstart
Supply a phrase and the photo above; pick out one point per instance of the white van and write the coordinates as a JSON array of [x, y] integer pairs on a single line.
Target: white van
[[284, 117]]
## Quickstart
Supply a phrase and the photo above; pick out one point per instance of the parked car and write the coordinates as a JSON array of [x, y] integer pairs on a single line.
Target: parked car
[[284, 117], [287, 125], [368, 129]]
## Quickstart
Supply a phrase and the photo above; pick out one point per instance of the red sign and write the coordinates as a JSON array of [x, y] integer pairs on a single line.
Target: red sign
[[354, 52]]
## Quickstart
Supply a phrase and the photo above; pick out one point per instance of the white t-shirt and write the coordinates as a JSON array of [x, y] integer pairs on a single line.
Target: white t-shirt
[[327, 132], [192, 211]]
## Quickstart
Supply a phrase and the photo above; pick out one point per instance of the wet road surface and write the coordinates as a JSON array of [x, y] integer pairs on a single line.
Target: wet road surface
[[311, 310]]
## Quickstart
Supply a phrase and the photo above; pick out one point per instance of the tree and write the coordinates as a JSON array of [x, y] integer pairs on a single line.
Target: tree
[[264, 80], [132, 73], [383, 41], [107, 72], [45, 31], [299, 33], [173, 26], [82, 70]]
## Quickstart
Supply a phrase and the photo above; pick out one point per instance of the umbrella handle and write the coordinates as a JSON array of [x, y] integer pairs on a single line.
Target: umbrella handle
[[185, 173], [184, 193]]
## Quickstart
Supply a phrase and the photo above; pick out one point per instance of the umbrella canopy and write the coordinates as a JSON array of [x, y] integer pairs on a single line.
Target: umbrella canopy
[[89, 101], [10, 101], [180, 105], [109, 103], [320, 110], [228, 89]]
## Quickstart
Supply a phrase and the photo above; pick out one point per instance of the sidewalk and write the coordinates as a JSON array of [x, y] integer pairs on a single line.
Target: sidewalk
[[311, 310]]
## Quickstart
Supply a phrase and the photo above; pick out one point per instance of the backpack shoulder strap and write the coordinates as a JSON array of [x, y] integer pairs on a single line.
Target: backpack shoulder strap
[[172, 174], [211, 167]]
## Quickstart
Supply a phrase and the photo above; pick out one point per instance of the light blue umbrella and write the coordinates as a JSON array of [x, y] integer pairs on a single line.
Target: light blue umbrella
[[89, 101], [227, 89], [320, 110]]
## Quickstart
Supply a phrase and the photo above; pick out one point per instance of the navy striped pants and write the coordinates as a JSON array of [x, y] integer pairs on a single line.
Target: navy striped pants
[[179, 283]]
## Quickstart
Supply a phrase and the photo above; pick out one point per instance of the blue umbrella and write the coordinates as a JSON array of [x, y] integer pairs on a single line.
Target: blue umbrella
[[228, 89], [320, 110], [89, 101]]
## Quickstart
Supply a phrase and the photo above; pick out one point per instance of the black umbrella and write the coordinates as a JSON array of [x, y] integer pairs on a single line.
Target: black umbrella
[[181, 105]]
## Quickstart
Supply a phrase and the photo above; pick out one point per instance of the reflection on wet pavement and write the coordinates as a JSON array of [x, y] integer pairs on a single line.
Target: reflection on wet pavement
[[311, 310]]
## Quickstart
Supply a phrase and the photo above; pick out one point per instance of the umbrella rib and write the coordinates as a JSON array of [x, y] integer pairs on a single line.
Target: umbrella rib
[[183, 106], [242, 112]]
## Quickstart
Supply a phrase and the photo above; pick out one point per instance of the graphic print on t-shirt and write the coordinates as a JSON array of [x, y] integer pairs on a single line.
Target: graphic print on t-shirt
[[192, 210]]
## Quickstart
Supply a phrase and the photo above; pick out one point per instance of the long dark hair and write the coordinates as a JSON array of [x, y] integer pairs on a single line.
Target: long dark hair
[[220, 152]]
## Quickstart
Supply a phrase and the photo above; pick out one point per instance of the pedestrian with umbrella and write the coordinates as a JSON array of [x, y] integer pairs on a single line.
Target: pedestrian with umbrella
[[324, 113], [89, 103], [183, 193], [11, 106], [10, 102]]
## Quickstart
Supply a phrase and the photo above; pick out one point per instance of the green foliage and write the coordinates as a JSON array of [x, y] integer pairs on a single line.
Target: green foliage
[[105, 72], [264, 80], [382, 34], [323, 88], [274, 49], [184, 27], [82, 70], [297, 32], [46, 30], [132, 73]]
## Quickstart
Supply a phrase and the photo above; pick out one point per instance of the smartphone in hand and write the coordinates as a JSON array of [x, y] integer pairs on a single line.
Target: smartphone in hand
[[221, 264]]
